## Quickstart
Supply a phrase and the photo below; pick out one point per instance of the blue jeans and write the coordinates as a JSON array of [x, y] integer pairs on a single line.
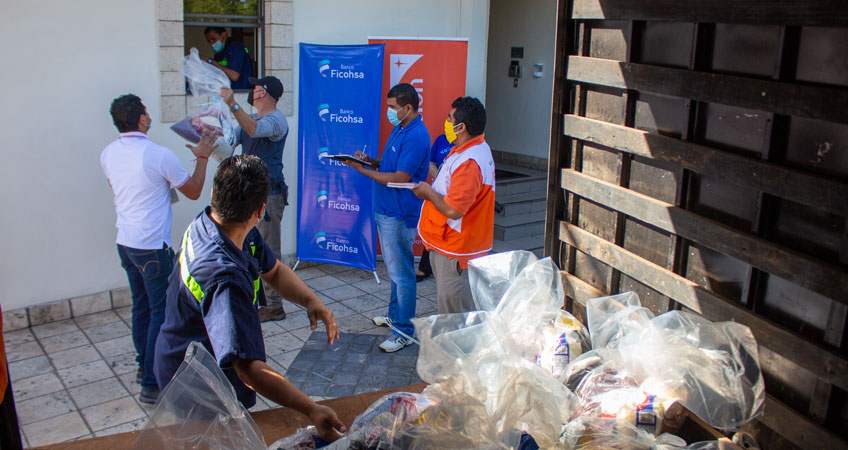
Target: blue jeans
[[396, 246], [147, 272]]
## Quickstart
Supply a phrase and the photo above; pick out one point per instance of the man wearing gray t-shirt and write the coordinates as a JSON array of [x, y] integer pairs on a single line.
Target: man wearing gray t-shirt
[[264, 135]]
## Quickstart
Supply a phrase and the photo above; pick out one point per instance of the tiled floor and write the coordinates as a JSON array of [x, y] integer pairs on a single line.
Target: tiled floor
[[75, 379]]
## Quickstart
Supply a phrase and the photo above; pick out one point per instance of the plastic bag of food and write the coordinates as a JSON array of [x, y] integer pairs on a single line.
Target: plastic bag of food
[[303, 439], [456, 420], [564, 339], [712, 367], [533, 299], [207, 80], [199, 409], [490, 355], [377, 426]]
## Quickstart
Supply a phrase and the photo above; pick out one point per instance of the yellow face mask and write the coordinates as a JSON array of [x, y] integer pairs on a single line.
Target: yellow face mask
[[449, 131]]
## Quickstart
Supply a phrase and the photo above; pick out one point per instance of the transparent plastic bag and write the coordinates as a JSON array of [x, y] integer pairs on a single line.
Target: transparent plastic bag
[[579, 367], [203, 78], [207, 80], [490, 355], [610, 318], [713, 367], [490, 276], [710, 368], [596, 433], [199, 409], [533, 299], [378, 426], [303, 439]]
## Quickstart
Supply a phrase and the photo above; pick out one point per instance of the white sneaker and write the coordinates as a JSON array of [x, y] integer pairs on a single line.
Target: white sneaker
[[381, 321], [394, 343]]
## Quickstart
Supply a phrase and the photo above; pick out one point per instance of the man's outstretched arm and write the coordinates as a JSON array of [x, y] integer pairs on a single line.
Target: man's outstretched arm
[[290, 286], [263, 379]]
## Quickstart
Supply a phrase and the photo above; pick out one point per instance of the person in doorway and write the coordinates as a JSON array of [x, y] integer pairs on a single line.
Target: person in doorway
[[141, 175], [264, 135], [405, 159], [230, 56], [458, 217], [213, 290], [438, 152]]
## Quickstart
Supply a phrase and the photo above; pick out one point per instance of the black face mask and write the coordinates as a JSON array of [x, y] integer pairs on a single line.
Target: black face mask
[[250, 98]]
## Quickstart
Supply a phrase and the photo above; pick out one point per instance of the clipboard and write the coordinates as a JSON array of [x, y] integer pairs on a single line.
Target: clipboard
[[343, 157]]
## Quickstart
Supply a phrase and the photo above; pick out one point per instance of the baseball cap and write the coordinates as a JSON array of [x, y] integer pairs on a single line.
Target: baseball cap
[[270, 83]]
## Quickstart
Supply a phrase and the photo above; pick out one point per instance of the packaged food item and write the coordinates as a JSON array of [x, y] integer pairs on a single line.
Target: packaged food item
[[564, 338], [213, 120]]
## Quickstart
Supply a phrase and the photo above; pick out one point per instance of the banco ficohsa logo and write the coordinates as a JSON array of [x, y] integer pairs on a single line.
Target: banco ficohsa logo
[[321, 198], [323, 111], [320, 240], [341, 203], [339, 116], [323, 67], [337, 244]]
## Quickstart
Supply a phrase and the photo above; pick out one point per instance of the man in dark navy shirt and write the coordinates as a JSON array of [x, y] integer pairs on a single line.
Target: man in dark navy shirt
[[230, 56], [213, 288]]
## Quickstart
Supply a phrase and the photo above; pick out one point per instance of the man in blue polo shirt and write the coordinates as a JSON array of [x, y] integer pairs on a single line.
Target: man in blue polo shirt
[[230, 56], [406, 158], [213, 288]]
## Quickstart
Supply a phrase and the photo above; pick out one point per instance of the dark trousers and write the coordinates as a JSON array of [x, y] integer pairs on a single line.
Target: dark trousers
[[424, 263], [147, 272]]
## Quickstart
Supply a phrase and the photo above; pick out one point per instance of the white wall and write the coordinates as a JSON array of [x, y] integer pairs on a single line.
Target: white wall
[[71, 60], [352, 22], [519, 118], [58, 233]]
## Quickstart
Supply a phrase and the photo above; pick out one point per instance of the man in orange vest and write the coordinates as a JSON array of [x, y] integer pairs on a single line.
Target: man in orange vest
[[458, 217]]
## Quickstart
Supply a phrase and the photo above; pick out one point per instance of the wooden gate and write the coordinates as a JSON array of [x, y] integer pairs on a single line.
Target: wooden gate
[[699, 158]]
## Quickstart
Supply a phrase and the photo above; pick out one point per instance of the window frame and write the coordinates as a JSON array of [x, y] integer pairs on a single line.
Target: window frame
[[191, 20]]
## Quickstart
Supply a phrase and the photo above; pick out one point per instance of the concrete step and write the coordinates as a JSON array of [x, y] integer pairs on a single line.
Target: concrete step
[[532, 181], [519, 219], [521, 203], [519, 231]]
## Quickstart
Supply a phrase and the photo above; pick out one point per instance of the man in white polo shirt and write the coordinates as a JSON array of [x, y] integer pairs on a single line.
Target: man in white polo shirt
[[142, 174]]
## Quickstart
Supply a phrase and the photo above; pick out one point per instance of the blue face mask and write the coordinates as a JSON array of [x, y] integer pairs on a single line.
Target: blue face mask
[[218, 46], [392, 115]]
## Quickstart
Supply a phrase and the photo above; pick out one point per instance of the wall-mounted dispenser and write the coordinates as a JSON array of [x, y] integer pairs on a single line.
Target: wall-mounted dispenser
[[538, 70]]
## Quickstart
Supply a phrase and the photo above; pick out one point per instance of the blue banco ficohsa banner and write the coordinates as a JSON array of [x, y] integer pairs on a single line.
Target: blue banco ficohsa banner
[[339, 112]]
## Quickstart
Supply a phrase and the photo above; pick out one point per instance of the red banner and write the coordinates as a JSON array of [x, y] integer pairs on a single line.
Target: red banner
[[436, 69]]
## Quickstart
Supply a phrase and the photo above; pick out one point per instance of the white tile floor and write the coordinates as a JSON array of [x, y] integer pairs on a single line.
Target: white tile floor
[[75, 379]]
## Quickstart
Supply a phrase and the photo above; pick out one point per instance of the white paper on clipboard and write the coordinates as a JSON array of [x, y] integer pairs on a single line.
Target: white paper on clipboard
[[401, 185]]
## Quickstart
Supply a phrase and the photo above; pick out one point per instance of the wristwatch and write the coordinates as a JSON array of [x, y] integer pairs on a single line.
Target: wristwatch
[[209, 60], [235, 107]]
